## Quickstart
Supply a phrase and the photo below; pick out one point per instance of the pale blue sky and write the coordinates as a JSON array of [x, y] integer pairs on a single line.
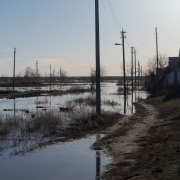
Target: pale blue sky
[[62, 33]]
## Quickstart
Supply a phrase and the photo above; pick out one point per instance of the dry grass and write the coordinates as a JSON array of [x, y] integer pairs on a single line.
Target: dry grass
[[168, 109], [41, 101], [44, 122], [90, 101]]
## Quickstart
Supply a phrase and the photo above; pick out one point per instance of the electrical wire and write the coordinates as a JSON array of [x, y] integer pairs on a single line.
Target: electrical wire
[[118, 24], [142, 54], [114, 14], [139, 41], [137, 50], [110, 17]]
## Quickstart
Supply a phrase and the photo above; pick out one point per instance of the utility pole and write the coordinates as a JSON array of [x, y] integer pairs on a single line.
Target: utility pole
[[135, 65], [138, 74], [36, 73], [141, 74], [50, 76], [14, 68], [98, 75], [60, 77], [132, 52], [157, 56], [124, 70]]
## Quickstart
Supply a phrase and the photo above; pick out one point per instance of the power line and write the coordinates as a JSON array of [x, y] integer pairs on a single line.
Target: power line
[[113, 13], [109, 16], [142, 54], [139, 41], [116, 19], [137, 51]]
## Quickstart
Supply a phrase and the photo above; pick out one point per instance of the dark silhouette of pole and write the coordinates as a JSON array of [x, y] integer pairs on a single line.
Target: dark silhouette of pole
[[132, 52], [98, 90], [135, 65], [98, 160], [157, 57], [138, 74], [14, 68], [141, 74], [37, 74], [50, 76], [60, 77], [124, 70]]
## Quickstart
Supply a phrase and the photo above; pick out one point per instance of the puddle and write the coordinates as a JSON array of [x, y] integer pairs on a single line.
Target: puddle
[[70, 161]]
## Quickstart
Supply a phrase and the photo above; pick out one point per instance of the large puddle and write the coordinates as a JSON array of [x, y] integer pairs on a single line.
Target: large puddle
[[70, 161]]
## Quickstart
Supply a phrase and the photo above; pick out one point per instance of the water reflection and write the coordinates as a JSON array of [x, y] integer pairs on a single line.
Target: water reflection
[[98, 160], [72, 160], [125, 105]]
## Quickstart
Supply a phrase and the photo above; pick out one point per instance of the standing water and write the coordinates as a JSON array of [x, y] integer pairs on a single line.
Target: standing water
[[71, 160]]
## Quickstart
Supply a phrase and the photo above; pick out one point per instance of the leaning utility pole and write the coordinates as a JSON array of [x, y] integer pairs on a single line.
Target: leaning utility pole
[[135, 65], [132, 52], [157, 56], [124, 70], [98, 75], [14, 68]]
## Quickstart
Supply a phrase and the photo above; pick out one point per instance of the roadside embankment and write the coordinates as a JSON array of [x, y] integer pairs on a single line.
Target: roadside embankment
[[145, 145]]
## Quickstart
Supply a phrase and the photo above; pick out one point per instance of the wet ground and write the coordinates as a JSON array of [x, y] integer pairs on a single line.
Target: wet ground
[[72, 160]]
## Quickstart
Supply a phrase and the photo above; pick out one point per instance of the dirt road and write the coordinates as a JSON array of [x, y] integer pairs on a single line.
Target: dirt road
[[134, 145]]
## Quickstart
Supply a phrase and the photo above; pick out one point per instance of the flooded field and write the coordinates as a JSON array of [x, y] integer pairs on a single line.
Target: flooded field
[[33, 121]]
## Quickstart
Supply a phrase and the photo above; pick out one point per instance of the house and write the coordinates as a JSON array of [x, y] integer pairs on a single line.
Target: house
[[174, 67]]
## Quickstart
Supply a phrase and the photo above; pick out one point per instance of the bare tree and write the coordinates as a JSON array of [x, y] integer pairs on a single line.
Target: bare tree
[[62, 74], [153, 79], [4, 77], [103, 71], [152, 64], [29, 74], [53, 74], [19, 76]]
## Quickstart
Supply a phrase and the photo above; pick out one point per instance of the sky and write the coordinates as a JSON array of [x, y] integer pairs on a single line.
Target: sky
[[62, 33]]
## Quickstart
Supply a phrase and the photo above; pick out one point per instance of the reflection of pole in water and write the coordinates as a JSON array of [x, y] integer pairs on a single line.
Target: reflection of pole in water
[[37, 103], [135, 96], [14, 103], [98, 160], [132, 104], [124, 105]]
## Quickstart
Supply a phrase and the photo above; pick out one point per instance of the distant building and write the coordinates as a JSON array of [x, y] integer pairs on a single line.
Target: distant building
[[174, 66]]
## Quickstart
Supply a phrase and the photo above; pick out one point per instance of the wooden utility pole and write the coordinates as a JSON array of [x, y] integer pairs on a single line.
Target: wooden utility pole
[[14, 68], [132, 53], [157, 56], [138, 74], [141, 74], [60, 77], [124, 70], [36, 73], [50, 76], [135, 65], [98, 74]]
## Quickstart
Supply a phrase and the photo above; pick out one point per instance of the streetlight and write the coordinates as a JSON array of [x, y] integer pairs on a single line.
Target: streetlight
[[124, 76], [123, 73]]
